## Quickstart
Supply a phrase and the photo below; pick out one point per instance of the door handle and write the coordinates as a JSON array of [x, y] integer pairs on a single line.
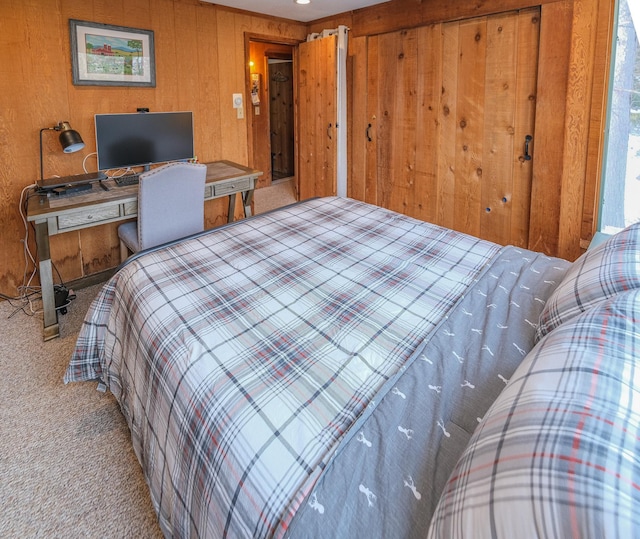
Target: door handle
[[368, 133], [329, 131], [527, 140]]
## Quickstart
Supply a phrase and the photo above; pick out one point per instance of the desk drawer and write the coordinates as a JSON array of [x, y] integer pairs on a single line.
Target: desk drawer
[[131, 208], [85, 217], [232, 187]]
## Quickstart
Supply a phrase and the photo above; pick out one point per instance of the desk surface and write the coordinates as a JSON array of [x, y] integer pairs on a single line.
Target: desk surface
[[44, 206]]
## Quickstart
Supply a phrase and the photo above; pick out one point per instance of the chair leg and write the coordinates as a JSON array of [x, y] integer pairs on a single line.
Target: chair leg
[[124, 252]]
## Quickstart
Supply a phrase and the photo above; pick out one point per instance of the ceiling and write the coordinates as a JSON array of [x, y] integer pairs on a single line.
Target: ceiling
[[288, 9]]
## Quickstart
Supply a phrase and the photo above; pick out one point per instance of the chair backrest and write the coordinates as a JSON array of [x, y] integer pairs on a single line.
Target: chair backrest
[[170, 203]]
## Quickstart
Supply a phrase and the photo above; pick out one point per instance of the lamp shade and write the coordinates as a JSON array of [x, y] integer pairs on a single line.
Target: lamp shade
[[70, 139]]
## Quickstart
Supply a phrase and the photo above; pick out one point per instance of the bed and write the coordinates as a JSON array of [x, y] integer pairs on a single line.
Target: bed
[[334, 368]]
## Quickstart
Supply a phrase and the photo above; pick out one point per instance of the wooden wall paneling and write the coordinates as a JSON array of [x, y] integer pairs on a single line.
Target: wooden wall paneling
[[18, 146], [373, 119], [327, 67], [555, 47], [595, 148], [46, 94], [429, 88], [403, 139], [402, 14], [99, 249], [216, 100], [358, 118], [317, 117], [387, 95], [187, 55], [585, 14], [231, 60], [447, 120], [527, 50], [409, 110], [306, 124], [51, 105], [231, 68], [208, 129], [470, 114], [497, 203], [345, 19], [287, 99], [167, 60]]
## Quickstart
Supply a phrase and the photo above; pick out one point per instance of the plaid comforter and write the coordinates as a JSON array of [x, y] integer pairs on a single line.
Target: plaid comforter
[[241, 356]]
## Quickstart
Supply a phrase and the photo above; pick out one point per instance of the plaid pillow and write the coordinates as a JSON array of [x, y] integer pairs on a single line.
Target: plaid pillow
[[557, 454], [610, 268]]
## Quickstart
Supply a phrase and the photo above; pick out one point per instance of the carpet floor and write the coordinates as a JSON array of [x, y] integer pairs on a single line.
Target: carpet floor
[[279, 193], [67, 466]]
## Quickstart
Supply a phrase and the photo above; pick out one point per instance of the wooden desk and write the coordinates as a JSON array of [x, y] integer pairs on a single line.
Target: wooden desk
[[55, 215]]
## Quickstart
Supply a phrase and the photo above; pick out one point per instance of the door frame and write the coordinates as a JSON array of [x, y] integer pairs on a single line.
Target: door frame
[[276, 40]]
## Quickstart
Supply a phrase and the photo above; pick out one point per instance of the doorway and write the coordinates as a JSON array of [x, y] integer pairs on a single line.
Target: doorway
[[281, 118], [271, 109]]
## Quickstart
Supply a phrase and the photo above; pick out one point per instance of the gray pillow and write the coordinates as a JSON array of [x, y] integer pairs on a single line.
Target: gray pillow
[[610, 268], [557, 454]]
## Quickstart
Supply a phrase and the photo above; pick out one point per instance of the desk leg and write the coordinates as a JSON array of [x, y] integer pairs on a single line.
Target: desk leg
[[247, 198], [51, 329], [232, 207]]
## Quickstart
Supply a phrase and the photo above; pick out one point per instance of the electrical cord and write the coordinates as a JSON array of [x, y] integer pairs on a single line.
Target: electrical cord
[[112, 173], [84, 161], [28, 257], [119, 172], [27, 292]]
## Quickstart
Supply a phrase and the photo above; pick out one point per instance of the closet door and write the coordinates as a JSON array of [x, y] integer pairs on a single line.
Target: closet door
[[445, 122], [317, 117]]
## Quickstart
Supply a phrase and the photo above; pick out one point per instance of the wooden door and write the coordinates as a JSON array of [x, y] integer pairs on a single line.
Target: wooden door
[[281, 119], [444, 122], [317, 116]]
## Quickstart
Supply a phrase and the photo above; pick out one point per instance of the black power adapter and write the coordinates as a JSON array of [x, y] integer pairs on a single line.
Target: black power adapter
[[63, 297]]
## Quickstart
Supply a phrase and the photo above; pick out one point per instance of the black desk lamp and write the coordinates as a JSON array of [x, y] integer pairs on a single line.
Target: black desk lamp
[[70, 140]]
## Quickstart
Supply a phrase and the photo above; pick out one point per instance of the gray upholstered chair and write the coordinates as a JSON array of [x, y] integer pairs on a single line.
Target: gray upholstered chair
[[170, 206]]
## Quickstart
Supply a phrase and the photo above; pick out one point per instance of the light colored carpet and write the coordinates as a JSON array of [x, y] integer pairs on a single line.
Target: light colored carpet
[[67, 466], [278, 194]]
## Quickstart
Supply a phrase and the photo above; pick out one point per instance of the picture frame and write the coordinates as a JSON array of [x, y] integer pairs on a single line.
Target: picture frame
[[108, 55]]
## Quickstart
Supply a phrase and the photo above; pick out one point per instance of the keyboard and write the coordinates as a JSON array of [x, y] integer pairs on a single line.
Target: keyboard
[[127, 179]]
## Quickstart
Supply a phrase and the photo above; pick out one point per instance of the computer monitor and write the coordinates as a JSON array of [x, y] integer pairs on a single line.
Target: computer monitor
[[143, 138]]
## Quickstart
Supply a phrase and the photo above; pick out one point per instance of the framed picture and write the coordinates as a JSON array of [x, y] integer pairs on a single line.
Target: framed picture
[[106, 55]]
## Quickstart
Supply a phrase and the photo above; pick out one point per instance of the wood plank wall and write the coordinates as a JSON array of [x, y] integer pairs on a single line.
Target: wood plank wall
[[575, 47], [200, 62]]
